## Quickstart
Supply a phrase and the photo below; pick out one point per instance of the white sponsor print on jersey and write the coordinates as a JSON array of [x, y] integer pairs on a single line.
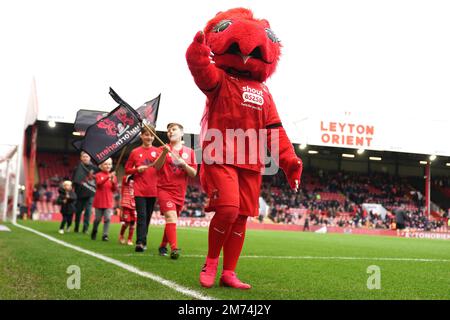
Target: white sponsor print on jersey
[[252, 95]]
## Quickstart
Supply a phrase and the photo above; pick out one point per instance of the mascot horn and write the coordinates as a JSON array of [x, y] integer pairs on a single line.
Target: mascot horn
[[230, 60]]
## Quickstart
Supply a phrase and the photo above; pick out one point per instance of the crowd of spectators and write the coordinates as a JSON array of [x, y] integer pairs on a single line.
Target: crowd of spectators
[[393, 193], [344, 208], [194, 203]]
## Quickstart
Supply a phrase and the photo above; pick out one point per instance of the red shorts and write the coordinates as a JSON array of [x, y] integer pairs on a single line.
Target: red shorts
[[227, 185], [128, 215], [167, 203]]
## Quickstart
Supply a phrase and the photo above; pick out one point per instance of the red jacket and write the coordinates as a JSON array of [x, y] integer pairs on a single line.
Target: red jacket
[[127, 194], [104, 196]]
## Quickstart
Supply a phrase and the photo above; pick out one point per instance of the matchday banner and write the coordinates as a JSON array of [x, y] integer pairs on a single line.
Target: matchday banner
[[425, 235]]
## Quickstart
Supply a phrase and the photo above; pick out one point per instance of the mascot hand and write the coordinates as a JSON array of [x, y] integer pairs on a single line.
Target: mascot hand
[[285, 156], [199, 54], [294, 172]]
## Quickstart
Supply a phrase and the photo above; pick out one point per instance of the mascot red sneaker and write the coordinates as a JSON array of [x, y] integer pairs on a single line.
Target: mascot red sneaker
[[230, 60]]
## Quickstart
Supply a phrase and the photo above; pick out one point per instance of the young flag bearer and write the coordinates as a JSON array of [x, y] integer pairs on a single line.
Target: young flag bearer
[[140, 165]]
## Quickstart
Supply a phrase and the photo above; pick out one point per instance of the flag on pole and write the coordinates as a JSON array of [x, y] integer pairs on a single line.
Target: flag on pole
[[149, 111], [86, 118], [110, 134]]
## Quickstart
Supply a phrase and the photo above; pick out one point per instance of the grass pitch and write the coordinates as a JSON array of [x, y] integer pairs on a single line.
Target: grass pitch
[[279, 265]]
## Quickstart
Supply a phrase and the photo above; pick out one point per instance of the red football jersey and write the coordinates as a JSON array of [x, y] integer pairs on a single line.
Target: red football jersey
[[172, 179], [127, 200], [104, 195], [144, 183], [238, 103]]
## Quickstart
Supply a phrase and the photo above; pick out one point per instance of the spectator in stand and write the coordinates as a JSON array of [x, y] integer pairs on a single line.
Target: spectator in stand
[[306, 224], [84, 182], [48, 195], [36, 195], [66, 200], [400, 219]]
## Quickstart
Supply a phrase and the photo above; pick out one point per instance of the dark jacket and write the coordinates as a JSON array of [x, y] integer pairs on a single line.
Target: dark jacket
[[84, 180], [67, 206]]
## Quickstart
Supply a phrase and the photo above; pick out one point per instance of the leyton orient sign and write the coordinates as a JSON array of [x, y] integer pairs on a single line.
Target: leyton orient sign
[[347, 134]]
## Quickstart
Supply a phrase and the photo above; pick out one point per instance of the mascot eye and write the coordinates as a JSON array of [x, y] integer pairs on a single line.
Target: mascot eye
[[272, 35], [222, 25]]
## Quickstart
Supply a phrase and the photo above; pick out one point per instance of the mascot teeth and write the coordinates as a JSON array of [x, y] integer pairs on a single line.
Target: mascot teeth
[[245, 58]]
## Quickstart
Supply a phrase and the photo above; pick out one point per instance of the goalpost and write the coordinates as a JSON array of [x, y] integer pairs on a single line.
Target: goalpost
[[9, 182]]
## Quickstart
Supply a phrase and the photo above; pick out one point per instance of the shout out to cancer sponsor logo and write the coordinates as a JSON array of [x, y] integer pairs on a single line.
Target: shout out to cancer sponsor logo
[[252, 96]]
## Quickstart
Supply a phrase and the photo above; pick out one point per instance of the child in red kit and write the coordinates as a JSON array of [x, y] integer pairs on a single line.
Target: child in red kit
[[140, 165], [128, 215], [106, 182], [173, 173]]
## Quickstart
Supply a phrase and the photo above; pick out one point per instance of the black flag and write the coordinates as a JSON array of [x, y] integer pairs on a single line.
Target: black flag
[[149, 111], [115, 130], [110, 134], [86, 118]]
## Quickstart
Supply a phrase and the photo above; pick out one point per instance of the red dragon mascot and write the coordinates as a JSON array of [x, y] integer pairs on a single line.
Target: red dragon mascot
[[230, 60]]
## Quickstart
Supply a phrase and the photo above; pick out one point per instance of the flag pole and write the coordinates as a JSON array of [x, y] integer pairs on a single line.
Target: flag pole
[[121, 157]]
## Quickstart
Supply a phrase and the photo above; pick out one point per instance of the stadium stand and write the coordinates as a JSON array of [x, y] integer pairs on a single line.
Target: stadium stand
[[325, 198]]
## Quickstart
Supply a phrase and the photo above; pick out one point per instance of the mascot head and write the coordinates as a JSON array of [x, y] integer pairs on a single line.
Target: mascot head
[[242, 45]]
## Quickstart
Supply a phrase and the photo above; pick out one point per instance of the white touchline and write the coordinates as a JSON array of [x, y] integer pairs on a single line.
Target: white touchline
[[313, 258], [331, 258], [130, 268]]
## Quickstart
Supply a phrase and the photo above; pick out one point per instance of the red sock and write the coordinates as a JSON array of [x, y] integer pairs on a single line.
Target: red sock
[[233, 244], [171, 234], [219, 228], [164, 239], [131, 232], [123, 228]]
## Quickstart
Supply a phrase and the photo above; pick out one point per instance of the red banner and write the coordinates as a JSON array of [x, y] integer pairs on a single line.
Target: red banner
[[32, 167]]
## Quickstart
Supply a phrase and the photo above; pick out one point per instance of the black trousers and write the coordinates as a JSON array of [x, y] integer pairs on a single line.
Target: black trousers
[[86, 205], [66, 219], [144, 209]]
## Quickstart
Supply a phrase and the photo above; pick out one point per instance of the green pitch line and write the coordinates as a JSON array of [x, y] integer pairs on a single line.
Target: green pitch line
[[279, 265]]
